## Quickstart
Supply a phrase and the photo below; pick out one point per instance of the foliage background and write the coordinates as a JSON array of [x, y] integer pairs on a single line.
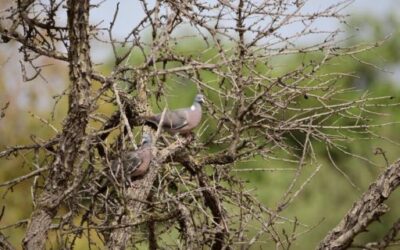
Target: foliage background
[[324, 201]]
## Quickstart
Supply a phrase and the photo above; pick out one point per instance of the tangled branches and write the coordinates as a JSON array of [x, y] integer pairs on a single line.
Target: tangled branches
[[192, 195]]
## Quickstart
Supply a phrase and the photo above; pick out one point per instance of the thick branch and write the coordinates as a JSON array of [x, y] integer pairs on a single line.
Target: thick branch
[[211, 199], [137, 196], [65, 172], [387, 239], [368, 209], [4, 244]]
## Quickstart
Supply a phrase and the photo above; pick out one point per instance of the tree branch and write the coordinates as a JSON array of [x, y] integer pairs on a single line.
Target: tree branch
[[365, 211], [387, 239], [139, 192], [4, 244], [66, 168]]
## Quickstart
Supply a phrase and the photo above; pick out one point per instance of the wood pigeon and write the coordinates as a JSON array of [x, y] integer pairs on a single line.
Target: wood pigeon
[[179, 121], [133, 163]]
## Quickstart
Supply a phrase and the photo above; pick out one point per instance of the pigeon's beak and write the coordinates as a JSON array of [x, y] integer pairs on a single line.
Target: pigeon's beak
[[146, 139], [200, 98]]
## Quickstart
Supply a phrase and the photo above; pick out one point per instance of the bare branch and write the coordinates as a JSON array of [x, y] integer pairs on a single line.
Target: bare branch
[[368, 209]]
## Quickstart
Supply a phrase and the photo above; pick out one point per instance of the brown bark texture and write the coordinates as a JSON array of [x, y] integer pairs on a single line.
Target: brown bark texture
[[65, 172], [364, 211], [194, 194]]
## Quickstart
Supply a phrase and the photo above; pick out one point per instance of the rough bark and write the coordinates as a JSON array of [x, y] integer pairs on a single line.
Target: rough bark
[[137, 195], [387, 239], [65, 169], [4, 244], [251, 111], [365, 211], [211, 199]]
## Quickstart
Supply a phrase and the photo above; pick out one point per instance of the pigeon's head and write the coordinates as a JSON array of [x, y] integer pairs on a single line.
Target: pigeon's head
[[146, 139], [199, 98]]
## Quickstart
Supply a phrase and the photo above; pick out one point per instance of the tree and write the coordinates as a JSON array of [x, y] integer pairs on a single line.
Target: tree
[[256, 109]]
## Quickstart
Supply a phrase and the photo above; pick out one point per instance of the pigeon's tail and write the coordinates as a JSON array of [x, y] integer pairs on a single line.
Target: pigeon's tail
[[151, 121]]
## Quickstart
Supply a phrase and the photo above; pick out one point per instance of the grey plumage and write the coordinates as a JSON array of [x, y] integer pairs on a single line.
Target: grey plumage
[[133, 163], [181, 120]]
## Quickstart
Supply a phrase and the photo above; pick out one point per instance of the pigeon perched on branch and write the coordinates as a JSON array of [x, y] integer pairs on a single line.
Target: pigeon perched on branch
[[178, 121]]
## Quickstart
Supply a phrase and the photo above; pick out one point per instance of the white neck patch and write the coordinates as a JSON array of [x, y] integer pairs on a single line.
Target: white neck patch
[[193, 107]]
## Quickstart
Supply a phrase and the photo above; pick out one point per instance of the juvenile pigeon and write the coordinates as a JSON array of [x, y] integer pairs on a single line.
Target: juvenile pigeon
[[180, 121], [134, 163]]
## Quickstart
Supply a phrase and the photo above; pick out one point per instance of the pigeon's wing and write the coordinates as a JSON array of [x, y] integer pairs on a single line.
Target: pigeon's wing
[[176, 119], [172, 119], [131, 161]]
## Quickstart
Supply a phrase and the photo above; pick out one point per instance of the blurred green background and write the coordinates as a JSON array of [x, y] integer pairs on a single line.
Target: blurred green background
[[325, 199]]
